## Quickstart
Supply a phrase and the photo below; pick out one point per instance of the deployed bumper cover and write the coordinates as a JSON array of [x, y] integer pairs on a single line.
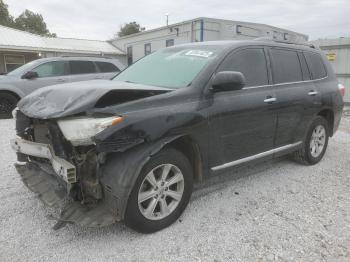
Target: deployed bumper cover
[[52, 189]]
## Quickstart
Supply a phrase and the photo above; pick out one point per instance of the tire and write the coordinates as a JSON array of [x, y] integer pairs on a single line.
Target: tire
[[8, 102], [307, 155], [137, 216]]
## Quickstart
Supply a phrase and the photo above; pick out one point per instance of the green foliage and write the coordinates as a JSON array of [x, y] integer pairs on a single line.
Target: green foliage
[[28, 21], [130, 28], [5, 18]]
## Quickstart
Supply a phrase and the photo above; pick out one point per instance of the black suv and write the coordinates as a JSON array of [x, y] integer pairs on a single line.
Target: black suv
[[130, 149]]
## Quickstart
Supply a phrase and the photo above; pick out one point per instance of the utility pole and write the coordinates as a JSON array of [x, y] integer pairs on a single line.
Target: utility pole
[[167, 19]]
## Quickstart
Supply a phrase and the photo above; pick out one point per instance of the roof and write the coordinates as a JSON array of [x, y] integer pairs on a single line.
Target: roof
[[16, 39], [333, 43], [238, 43], [207, 19]]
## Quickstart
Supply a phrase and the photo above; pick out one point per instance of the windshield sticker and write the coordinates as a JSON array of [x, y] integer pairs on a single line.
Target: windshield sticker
[[199, 53]]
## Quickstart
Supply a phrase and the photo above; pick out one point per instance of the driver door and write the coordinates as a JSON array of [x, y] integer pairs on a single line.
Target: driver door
[[242, 123], [49, 73]]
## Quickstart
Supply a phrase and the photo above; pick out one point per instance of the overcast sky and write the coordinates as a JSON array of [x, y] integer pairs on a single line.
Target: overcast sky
[[91, 19]]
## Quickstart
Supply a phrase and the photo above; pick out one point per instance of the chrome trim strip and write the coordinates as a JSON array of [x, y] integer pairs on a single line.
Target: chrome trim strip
[[62, 167], [257, 156], [287, 83]]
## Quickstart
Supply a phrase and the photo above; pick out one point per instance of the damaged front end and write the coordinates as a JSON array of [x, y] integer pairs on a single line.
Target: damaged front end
[[64, 174]]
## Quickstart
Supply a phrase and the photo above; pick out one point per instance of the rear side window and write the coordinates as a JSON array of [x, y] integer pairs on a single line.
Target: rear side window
[[316, 65], [285, 66], [251, 63], [105, 67], [82, 67], [304, 68]]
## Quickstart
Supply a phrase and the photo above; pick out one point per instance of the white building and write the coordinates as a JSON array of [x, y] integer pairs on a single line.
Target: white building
[[197, 30], [19, 47], [338, 53]]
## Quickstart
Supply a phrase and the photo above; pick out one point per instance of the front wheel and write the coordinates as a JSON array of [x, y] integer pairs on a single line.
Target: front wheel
[[315, 144], [8, 103], [161, 192]]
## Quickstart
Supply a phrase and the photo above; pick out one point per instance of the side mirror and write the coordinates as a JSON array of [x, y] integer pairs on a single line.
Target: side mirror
[[30, 75], [228, 81]]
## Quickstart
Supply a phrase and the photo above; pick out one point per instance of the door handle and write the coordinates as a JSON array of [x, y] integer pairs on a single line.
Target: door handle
[[60, 80], [312, 93], [270, 100]]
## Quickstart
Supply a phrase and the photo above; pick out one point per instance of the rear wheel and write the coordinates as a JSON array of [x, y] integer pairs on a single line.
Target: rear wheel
[[161, 192], [8, 102], [316, 143]]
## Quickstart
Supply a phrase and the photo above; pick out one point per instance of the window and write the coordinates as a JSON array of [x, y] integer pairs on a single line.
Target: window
[[169, 42], [147, 49], [82, 67], [304, 68], [54, 68], [13, 61], [285, 66], [251, 63], [129, 54], [106, 67], [316, 65]]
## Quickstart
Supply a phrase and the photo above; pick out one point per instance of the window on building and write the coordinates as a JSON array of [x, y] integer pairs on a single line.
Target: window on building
[[251, 63], [316, 65], [54, 68], [285, 66], [82, 67], [129, 54], [106, 67], [13, 61], [169, 42], [147, 49]]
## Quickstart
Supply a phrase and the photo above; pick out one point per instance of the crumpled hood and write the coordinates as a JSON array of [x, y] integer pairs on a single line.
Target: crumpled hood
[[73, 98]]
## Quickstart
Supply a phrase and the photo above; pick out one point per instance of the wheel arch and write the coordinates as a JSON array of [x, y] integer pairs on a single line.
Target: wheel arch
[[186, 145], [4, 91]]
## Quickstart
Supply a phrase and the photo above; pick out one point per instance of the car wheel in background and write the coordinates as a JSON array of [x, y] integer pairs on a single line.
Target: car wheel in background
[[161, 192], [315, 144], [8, 103]]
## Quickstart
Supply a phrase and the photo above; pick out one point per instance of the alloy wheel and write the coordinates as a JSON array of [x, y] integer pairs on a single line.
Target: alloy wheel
[[161, 191], [318, 140]]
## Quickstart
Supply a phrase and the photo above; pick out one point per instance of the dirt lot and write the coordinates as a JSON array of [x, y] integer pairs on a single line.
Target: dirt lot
[[274, 211]]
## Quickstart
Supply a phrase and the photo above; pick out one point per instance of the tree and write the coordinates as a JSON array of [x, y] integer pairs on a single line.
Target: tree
[[32, 22], [130, 28], [5, 18]]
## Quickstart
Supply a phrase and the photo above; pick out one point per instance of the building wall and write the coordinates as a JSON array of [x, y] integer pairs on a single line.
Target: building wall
[[202, 29], [338, 52], [27, 58]]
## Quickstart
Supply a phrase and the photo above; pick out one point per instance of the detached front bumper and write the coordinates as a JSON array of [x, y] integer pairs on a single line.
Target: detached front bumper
[[50, 189], [62, 167]]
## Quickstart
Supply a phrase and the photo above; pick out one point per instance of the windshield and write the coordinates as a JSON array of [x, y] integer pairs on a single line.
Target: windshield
[[170, 67], [23, 69]]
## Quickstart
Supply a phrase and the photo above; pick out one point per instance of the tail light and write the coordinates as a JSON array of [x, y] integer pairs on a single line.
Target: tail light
[[341, 89]]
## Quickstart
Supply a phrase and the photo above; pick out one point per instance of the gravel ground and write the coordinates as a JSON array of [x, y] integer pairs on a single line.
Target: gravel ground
[[273, 211]]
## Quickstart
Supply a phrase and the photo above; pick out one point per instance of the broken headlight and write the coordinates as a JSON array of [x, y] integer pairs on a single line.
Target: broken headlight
[[80, 130]]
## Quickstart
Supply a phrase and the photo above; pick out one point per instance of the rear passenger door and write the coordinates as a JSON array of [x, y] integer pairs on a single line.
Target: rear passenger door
[[242, 123], [81, 70], [297, 97], [106, 70]]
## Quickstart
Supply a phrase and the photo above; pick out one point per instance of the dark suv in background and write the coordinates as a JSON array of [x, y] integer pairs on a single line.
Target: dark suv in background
[[130, 149], [52, 71]]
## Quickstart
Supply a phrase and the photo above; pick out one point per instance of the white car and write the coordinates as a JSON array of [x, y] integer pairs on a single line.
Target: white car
[[51, 71]]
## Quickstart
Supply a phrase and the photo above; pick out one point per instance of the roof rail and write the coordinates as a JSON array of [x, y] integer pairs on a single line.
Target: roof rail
[[266, 38], [85, 56]]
